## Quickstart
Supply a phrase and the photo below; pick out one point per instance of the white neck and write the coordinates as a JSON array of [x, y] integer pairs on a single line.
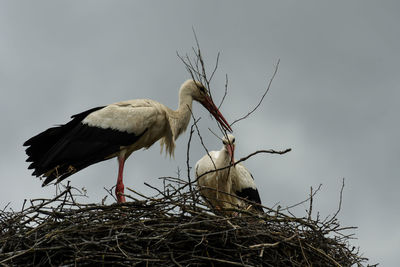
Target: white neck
[[180, 118], [222, 161]]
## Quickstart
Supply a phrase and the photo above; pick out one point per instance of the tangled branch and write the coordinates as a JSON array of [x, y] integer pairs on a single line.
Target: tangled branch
[[170, 228]]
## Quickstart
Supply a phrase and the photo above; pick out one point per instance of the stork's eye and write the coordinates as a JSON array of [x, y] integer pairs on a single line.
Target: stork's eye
[[202, 89], [233, 140]]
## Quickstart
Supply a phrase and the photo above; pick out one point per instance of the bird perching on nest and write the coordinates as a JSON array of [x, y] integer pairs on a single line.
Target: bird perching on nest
[[226, 188], [115, 130]]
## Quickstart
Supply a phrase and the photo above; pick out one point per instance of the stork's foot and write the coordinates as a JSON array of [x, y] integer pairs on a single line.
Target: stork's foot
[[120, 198], [119, 193]]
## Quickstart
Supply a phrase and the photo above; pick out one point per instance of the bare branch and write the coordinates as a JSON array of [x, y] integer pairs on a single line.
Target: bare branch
[[226, 91], [215, 67], [188, 156], [309, 198], [270, 151], [340, 204], [262, 97]]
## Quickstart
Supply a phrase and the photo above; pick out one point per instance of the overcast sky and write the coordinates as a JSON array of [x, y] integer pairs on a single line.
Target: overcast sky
[[334, 101]]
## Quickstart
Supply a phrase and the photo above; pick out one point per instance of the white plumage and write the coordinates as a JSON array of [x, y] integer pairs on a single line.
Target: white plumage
[[222, 188], [115, 130], [216, 186]]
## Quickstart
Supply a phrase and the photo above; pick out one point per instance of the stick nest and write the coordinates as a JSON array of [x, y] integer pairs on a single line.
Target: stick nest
[[173, 228]]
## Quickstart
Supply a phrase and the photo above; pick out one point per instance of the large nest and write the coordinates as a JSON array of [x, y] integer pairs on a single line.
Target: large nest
[[172, 228]]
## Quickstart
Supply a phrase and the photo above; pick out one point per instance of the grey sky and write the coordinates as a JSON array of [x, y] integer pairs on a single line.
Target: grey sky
[[334, 101]]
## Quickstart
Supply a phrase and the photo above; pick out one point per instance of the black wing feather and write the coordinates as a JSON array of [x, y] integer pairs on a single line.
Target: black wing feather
[[66, 149], [43, 142], [252, 195]]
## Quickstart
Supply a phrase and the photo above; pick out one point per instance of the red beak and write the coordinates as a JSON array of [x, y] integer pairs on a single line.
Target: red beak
[[231, 151], [212, 108]]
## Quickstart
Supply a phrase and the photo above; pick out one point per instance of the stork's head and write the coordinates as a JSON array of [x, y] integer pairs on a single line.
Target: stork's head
[[200, 93], [229, 145]]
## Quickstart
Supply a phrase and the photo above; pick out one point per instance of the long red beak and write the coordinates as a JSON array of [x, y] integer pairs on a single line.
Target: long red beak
[[212, 108], [231, 151]]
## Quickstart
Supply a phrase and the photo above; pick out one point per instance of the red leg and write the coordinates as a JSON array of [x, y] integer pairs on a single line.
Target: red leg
[[119, 189]]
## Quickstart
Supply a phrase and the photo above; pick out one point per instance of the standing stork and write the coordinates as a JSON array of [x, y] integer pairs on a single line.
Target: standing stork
[[223, 187], [115, 130]]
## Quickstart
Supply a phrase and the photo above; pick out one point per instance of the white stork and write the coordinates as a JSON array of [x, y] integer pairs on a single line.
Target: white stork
[[220, 188], [115, 130]]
